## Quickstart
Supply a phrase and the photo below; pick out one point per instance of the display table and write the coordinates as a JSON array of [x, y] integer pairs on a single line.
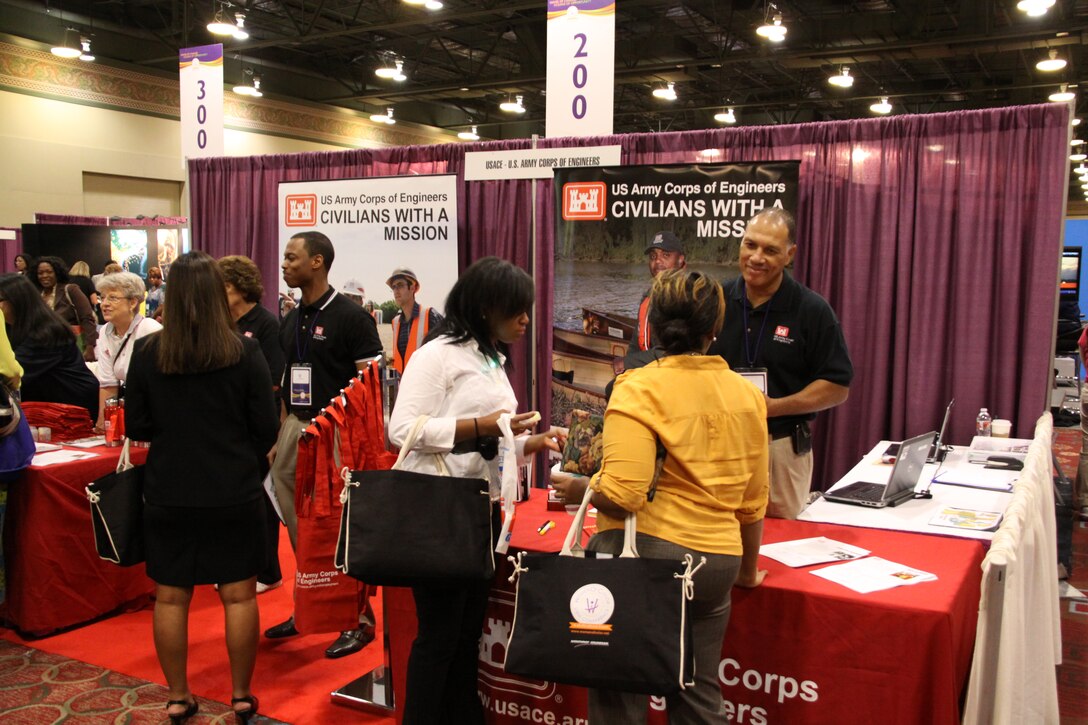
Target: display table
[[54, 576], [799, 649], [914, 514]]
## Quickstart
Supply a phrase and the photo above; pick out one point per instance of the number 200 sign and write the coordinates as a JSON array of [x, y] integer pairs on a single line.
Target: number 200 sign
[[201, 83], [581, 67]]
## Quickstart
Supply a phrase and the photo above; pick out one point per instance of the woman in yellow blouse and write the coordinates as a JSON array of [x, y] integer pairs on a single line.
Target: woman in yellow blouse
[[712, 490], [10, 368]]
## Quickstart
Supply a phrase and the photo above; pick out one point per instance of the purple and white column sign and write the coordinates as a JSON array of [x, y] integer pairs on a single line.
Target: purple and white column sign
[[201, 76], [581, 67]]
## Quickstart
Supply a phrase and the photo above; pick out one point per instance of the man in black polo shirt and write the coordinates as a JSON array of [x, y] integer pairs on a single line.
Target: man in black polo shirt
[[786, 339], [325, 340]]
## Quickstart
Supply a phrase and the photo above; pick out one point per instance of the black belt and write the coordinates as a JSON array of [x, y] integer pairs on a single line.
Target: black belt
[[306, 414], [783, 434]]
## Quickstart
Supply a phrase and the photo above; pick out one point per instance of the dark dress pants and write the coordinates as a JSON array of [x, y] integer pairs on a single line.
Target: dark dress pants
[[442, 668]]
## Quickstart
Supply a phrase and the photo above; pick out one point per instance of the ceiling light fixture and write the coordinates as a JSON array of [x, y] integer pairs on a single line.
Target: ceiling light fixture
[[1051, 63], [1034, 8], [387, 118], [86, 54], [252, 89], [773, 31], [1078, 157], [668, 93], [1075, 122], [469, 135], [394, 73], [843, 79], [240, 27], [726, 116], [512, 106], [883, 107], [220, 25], [1082, 170], [1076, 141], [69, 46], [433, 5], [1062, 95]]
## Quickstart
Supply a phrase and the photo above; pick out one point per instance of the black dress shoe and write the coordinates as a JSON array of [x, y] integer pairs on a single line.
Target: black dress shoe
[[350, 642], [283, 629]]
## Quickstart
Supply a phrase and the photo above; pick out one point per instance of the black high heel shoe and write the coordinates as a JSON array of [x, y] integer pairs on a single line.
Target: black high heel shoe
[[191, 708], [245, 716]]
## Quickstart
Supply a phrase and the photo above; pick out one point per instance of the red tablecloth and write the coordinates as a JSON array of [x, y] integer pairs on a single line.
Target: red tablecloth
[[799, 649], [54, 577]]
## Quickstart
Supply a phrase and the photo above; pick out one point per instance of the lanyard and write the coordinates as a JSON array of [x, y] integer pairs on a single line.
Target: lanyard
[[299, 349], [131, 331], [751, 355]]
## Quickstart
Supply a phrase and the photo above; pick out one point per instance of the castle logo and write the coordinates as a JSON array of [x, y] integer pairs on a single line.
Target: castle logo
[[584, 200]]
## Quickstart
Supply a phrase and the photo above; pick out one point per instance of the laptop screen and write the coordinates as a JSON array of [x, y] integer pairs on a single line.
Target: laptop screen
[[908, 465], [942, 436]]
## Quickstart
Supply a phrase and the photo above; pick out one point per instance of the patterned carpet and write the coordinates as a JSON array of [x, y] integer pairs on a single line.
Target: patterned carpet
[[38, 688], [1073, 672]]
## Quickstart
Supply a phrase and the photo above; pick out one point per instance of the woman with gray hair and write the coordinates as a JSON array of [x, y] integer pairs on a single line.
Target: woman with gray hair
[[120, 295]]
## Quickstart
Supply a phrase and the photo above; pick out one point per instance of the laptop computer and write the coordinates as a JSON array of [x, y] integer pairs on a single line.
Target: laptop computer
[[937, 451], [900, 486]]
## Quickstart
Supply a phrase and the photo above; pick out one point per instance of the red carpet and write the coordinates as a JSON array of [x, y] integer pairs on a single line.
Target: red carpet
[[293, 677], [1073, 672]]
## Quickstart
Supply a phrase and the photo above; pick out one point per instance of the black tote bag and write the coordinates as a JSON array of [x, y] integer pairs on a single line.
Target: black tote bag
[[117, 512], [613, 624], [403, 528]]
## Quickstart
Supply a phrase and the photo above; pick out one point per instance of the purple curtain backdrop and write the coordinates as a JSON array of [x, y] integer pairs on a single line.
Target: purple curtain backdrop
[[41, 218], [934, 237], [9, 248]]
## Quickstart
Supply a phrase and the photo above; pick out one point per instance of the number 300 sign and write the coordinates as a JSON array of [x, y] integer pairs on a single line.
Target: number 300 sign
[[581, 67], [201, 82]]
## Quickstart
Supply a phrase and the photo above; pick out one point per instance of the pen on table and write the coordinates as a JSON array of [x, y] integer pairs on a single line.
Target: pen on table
[[545, 527]]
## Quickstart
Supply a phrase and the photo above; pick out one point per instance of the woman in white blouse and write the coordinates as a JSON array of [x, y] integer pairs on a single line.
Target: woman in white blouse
[[458, 379], [120, 295]]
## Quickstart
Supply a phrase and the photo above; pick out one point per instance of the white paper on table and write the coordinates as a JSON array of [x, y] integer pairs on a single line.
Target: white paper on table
[[978, 477], [873, 574], [806, 552], [40, 447], [92, 442], [962, 518], [270, 489], [52, 458]]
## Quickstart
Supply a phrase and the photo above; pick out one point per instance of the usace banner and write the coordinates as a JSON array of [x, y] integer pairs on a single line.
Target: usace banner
[[606, 217], [377, 225]]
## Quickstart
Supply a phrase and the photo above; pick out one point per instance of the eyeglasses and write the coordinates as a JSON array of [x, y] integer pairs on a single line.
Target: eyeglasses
[[114, 299]]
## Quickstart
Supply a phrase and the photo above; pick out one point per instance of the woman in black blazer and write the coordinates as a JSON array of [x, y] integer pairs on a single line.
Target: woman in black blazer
[[202, 395]]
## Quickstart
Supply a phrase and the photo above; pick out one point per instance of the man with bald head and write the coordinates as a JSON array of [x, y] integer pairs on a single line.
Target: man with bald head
[[787, 340]]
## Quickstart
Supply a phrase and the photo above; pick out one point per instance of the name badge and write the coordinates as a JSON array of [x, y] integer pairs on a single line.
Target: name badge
[[756, 376], [301, 386]]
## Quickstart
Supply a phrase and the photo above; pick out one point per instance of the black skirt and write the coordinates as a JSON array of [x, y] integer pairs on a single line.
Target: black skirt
[[188, 546]]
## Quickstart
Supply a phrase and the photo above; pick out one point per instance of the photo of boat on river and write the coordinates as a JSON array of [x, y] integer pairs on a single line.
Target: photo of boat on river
[[596, 304]]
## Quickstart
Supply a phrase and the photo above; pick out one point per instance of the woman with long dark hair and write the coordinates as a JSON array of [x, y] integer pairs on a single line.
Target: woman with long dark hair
[[23, 263], [202, 395], [53, 369], [458, 379], [51, 276]]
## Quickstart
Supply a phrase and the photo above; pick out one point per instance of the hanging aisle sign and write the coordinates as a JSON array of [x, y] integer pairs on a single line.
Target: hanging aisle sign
[[581, 67], [200, 71]]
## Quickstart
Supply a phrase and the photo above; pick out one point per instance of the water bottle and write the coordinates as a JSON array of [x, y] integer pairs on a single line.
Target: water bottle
[[982, 423]]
